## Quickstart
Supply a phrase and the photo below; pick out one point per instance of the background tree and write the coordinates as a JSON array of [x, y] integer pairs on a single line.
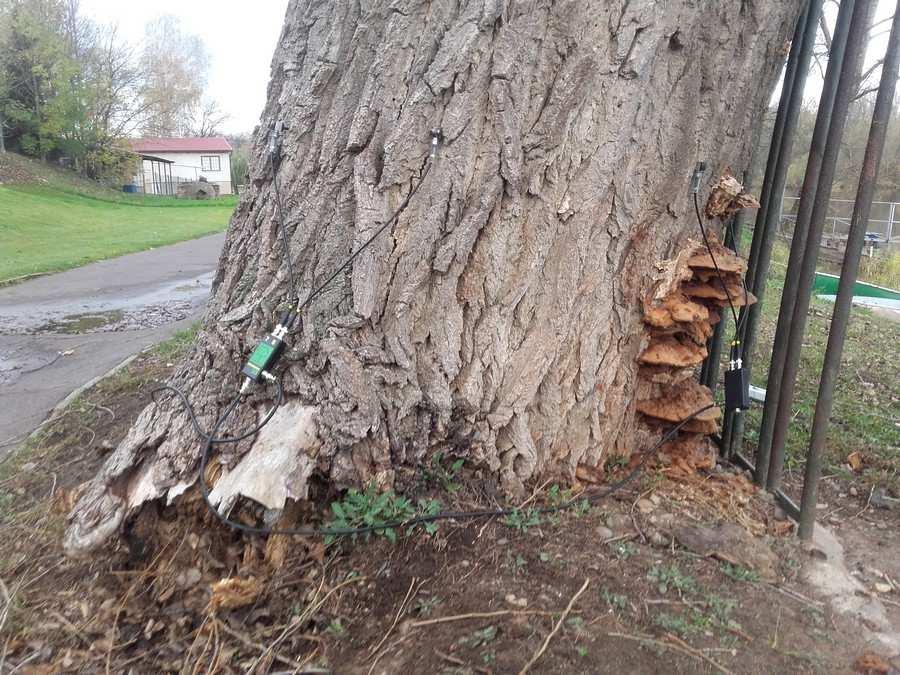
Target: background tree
[[868, 69], [240, 158], [175, 66], [36, 65], [501, 318], [206, 118], [69, 87], [73, 89]]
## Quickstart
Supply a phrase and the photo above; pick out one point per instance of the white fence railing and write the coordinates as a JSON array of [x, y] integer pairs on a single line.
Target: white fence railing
[[882, 228]]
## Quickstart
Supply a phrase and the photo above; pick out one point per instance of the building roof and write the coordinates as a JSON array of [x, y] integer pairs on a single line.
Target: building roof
[[203, 144], [153, 158]]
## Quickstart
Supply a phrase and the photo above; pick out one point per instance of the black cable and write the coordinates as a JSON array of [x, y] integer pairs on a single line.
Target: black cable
[[211, 439], [591, 498], [281, 226], [368, 242], [300, 306], [715, 264], [279, 399]]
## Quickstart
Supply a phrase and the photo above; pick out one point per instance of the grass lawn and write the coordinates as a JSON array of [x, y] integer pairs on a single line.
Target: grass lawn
[[866, 412], [43, 229], [52, 220]]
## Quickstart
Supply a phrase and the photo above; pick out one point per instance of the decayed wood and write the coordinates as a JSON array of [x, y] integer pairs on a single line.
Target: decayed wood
[[503, 311]]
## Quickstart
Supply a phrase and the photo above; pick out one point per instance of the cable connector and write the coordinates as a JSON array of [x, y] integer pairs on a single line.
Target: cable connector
[[437, 138], [697, 176], [274, 146], [737, 386]]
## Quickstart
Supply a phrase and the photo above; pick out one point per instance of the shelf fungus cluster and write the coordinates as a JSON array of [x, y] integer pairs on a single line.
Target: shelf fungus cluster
[[679, 318]]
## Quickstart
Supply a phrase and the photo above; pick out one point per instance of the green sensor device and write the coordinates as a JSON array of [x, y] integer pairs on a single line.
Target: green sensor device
[[265, 355]]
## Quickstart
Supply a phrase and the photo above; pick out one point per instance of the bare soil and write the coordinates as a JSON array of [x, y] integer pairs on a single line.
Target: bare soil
[[478, 597]]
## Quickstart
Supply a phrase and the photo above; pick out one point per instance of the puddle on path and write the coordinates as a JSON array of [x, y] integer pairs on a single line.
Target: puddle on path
[[104, 312], [82, 323]]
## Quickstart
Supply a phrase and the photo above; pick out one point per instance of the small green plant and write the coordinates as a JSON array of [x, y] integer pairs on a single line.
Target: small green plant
[[739, 573], [557, 496], [576, 623], [544, 556], [516, 562], [672, 577], [424, 606], [624, 549], [362, 509], [814, 616], [616, 601], [675, 623], [523, 520], [722, 609], [581, 651], [337, 629], [179, 344], [445, 476], [427, 507], [480, 638], [581, 507]]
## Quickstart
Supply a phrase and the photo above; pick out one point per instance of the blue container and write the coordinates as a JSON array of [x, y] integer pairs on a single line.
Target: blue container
[[130, 188]]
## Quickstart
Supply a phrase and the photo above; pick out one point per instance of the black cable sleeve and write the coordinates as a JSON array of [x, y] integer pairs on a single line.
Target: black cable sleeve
[[284, 238], [592, 497]]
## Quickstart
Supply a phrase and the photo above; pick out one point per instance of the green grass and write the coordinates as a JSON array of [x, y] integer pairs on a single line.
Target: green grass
[[883, 270], [179, 344], [866, 414], [46, 229], [52, 219]]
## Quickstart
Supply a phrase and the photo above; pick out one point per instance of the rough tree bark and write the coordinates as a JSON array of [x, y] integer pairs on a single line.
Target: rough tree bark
[[502, 315]]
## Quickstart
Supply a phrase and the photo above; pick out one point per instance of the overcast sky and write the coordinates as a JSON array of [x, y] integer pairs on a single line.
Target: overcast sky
[[240, 38]]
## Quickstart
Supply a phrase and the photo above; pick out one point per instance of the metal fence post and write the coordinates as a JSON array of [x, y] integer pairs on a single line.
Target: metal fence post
[[798, 242], [855, 239], [805, 274], [890, 223], [765, 227]]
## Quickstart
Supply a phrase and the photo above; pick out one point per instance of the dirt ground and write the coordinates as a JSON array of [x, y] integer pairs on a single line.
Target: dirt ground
[[610, 589]]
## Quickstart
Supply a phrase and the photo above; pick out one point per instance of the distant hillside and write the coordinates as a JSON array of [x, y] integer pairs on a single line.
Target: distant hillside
[[24, 172], [18, 170]]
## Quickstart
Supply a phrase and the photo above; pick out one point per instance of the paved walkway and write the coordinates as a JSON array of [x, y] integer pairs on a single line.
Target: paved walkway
[[61, 330]]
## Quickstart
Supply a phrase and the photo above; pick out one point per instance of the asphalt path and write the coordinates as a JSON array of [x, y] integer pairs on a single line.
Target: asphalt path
[[59, 331]]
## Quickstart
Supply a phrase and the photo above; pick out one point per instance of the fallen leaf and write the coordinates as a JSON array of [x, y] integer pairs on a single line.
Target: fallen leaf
[[233, 592], [782, 528], [855, 460], [645, 505], [189, 577], [871, 663]]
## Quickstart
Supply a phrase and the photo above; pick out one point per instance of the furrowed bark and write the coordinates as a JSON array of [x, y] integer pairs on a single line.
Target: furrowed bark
[[502, 315]]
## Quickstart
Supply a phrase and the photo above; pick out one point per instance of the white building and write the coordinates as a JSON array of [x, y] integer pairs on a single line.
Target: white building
[[166, 162]]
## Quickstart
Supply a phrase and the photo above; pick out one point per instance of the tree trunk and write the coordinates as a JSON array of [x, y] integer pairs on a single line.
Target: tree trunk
[[502, 315]]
